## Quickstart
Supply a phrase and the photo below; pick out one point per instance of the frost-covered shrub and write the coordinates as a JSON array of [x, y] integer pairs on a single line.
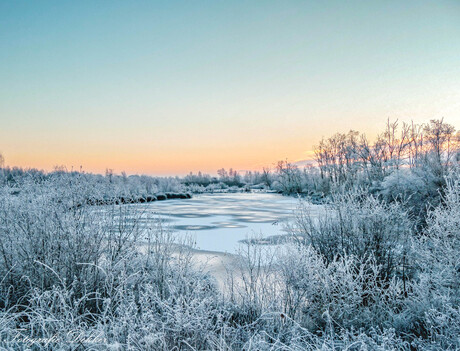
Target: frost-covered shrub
[[345, 293], [145, 320], [403, 183], [287, 297], [360, 225], [170, 184], [416, 190], [47, 241], [289, 178], [435, 303], [148, 296], [50, 237], [276, 185]]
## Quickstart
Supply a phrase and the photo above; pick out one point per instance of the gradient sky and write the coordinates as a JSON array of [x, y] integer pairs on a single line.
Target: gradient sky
[[168, 87]]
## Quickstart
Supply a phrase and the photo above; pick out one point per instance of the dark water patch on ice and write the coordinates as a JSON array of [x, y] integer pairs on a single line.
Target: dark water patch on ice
[[189, 215], [254, 219], [194, 227]]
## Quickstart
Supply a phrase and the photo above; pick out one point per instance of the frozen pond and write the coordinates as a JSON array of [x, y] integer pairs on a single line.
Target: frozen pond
[[218, 222]]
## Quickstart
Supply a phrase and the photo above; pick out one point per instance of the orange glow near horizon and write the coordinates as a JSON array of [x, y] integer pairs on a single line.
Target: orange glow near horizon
[[144, 157], [139, 159]]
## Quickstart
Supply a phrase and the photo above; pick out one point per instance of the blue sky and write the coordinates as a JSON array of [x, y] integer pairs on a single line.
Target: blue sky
[[166, 87]]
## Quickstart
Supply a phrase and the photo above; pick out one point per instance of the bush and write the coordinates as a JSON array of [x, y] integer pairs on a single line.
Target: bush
[[435, 303], [360, 225]]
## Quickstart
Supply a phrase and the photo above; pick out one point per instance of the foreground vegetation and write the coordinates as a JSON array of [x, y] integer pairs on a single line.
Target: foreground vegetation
[[378, 269]]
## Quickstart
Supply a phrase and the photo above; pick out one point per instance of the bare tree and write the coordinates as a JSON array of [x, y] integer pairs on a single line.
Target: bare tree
[[440, 140]]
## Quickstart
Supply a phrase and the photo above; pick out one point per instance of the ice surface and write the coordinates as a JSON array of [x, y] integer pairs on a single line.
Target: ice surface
[[218, 222]]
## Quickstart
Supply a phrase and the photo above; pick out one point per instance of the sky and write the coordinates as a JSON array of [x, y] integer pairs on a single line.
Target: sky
[[169, 87]]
